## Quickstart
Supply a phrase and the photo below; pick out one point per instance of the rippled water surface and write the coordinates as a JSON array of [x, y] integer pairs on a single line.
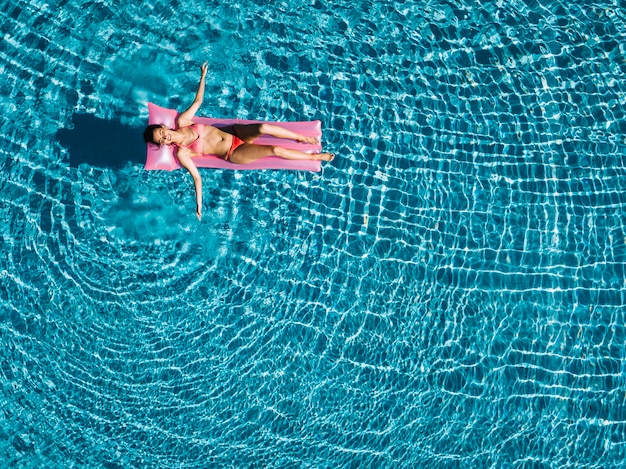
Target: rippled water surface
[[449, 292]]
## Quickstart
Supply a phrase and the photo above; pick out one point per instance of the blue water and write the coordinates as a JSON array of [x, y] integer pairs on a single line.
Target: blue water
[[449, 292]]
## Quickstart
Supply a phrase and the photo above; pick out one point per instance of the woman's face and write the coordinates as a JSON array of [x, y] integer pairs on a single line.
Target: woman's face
[[162, 136]]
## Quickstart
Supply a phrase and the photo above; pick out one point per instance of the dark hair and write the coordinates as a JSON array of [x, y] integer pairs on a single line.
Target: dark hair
[[148, 134]]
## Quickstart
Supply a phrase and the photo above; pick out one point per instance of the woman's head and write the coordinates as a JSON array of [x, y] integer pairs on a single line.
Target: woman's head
[[148, 134], [158, 134]]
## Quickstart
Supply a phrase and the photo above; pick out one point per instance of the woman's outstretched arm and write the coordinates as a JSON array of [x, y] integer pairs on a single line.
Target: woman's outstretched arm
[[185, 117], [187, 163]]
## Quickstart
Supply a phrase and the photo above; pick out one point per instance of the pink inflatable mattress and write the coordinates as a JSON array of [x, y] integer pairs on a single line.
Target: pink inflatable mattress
[[163, 157]]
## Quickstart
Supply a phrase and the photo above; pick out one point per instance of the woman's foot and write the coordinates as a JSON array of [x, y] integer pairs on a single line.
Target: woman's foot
[[326, 156], [311, 140]]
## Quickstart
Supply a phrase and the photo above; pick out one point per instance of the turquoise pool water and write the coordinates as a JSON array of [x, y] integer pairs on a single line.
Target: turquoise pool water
[[449, 292]]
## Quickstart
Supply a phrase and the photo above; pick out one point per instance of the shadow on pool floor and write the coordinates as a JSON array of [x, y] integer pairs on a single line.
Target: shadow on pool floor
[[102, 143]]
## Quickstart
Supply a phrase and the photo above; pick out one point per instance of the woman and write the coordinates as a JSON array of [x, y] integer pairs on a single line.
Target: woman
[[233, 143]]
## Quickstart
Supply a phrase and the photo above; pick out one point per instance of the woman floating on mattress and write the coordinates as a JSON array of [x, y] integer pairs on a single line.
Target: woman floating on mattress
[[233, 143]]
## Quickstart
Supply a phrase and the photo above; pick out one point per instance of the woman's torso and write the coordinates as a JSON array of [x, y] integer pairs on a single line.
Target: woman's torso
[[206, 140]]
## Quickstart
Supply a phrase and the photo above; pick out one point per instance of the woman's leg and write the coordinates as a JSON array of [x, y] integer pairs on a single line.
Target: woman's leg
[[249, 152], [249, 132]]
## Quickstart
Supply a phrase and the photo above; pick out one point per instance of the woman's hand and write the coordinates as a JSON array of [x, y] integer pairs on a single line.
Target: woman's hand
[[204, 67], [199, 213]]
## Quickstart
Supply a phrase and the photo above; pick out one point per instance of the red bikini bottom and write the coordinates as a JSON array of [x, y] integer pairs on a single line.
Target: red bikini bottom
[[237, 142]]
